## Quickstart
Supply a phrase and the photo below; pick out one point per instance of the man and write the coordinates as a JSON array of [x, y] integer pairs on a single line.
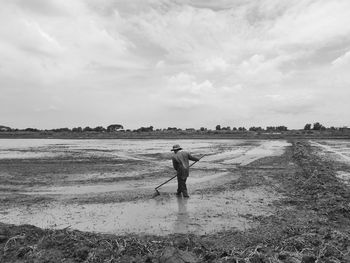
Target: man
[[181, 165]]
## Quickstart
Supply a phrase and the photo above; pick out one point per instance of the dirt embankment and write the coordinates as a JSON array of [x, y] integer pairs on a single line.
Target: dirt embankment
[[311, 224]]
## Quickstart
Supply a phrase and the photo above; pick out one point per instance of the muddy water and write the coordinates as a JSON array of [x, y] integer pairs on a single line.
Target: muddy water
[[134, 166], [121, 186], [337, 150], [161, 215]]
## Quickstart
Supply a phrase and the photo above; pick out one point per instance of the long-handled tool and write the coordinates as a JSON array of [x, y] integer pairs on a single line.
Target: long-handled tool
[[156, 189]]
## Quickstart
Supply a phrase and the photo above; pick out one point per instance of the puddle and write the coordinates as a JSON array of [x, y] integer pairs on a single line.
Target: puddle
[[195, 178], [268, 148], [15, 154], [161, 216], [247, 154]]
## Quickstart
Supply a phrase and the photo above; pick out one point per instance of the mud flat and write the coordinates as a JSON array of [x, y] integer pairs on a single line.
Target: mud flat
[[282, 202], [121, 201]]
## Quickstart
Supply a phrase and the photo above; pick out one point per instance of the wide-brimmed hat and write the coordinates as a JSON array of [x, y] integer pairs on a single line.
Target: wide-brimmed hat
[[176, 147]]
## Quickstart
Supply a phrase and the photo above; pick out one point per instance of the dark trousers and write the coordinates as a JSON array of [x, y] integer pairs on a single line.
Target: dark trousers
[[181, 186]]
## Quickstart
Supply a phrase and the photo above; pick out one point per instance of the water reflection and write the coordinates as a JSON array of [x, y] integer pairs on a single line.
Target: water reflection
[[182, 221]]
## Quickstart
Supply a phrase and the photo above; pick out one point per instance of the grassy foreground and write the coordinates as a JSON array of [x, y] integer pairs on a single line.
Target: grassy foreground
[[311, 224]]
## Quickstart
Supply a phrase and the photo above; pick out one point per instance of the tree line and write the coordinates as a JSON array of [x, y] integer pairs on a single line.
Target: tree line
[[317, 126]]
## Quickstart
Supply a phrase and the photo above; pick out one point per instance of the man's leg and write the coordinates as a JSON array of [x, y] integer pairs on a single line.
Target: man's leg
[[184, 188], [178, 192]]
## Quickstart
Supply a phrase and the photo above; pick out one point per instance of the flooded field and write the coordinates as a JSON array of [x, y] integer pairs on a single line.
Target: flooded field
[[339, 152], [337, 149], [108, 185], [250, 201]]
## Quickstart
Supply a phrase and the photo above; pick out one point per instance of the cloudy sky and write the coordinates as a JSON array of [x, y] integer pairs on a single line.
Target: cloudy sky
[[185, 63]]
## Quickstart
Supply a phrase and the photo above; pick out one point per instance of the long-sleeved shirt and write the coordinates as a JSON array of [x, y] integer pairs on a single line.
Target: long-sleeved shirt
[[181, 163]]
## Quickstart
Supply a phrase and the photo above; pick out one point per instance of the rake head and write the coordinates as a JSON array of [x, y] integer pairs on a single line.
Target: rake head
[[156, 193]]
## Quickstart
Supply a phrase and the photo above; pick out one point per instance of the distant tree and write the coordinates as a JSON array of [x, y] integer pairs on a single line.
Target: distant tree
[[318, 126], [114, 127], [344, 129], [99, 129], [31, 129], [276, 128], [242, 129], [145, 129], [87, 129], [77, 129], [5, 128], [255, 129], [307, 127], [281, 128], [218, 127], [234, 129], [203, 129], [61, 130]]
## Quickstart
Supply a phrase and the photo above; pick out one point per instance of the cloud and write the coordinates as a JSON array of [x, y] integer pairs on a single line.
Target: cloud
[[184, 91], [185, 83], [312, 23], [58, 48], [229, 59], [213, 64], [290, 103], [343, 60], [43, 7]]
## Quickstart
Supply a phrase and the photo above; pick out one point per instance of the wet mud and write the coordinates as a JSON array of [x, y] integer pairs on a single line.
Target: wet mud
[[162, 215], [290, 203], [336, 152], [120, 199]]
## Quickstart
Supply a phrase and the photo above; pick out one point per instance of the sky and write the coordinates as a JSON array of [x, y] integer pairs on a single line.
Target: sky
[[172, 63]]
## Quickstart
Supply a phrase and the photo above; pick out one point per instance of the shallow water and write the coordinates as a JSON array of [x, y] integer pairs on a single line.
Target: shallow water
[[121, 186], [339, 148], [162, 215], [217, 150], [134, 166], [339, 151]]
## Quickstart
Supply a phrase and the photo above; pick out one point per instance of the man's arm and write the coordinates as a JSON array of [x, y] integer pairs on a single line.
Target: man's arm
[[175, 164], [192, 158]]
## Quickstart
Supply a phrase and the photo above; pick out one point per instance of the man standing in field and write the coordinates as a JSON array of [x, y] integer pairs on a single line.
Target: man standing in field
[[181, 165]]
